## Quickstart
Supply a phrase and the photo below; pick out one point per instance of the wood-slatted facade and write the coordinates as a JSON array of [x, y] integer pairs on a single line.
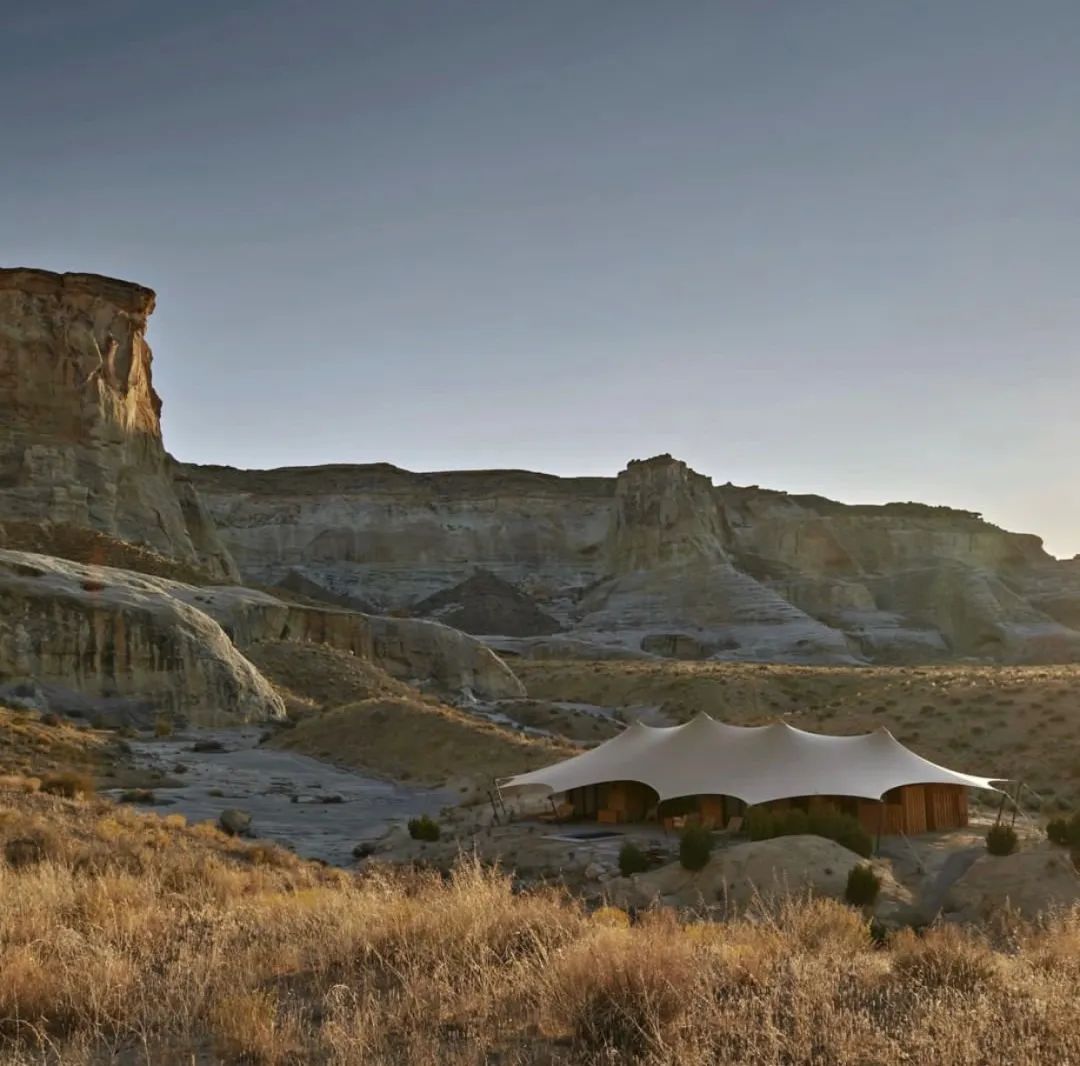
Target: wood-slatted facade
[[911, 810]]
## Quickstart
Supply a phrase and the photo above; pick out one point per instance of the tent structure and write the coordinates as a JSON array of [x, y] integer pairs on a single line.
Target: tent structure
[[755, 764]]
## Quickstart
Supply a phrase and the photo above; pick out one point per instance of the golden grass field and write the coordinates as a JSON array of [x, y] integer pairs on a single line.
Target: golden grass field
[[127, 937], [131, 938]]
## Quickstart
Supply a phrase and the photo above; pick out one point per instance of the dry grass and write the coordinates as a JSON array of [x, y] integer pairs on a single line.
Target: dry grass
[[354, 713], [28, 745], [94, 549], [139, 939], [418, 740], [1016, 721], [316, 676]]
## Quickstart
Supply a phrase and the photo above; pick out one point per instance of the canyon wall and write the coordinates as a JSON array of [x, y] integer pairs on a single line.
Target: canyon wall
[[657, 560], [80, 428]]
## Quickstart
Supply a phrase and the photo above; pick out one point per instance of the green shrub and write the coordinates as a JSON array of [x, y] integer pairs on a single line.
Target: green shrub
[[1064, 831], [423, 828], [1001, 840], [845, 830], [863, 886], [632, 860], [1057, 831], [695, 846], [760, 824]]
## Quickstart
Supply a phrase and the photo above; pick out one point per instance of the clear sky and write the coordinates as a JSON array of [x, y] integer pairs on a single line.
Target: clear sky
[[819, 246]]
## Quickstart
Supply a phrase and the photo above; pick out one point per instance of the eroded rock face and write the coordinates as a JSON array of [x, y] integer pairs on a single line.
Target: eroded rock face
[[110, 634], [114, 636], [629, 563], [80, 430]]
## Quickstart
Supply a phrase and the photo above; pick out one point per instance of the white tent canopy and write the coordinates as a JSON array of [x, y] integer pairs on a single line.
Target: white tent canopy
[[755, 764]]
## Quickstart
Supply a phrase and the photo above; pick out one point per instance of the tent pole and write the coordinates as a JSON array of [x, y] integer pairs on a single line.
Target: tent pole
[[880, 826], [1016, 802], [1001, 808]]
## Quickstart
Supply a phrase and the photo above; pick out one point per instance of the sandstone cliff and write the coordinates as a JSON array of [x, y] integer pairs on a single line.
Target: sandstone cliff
[[80, 430], [661, 561]]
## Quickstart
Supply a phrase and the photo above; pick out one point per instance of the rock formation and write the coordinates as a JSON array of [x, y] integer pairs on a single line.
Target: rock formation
[[661, 561], [109, 636], [80, 431], [485, 604], [118, 642], [657, 561]]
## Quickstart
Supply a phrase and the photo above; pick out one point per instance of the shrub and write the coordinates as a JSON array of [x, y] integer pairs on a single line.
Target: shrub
[[632, 860], [423, 828], [863, 886], [1057, 831], [760, 824], [69, 783], [1064, 831], [163, 726], [695, 847], [138, 795], [1001, 840], [845, 830]]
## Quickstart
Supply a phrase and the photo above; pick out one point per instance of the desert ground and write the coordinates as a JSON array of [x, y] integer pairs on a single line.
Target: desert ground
[[136, 934]]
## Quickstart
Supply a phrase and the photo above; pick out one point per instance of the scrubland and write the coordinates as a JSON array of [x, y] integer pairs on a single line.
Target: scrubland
[[128, 937], [1016, 722]]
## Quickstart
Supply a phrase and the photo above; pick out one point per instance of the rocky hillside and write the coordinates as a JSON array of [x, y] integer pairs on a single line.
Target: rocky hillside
[[659, 560], [80, 429]]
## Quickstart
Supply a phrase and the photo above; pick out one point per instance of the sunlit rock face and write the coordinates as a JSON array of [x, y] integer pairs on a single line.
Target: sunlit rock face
[[80, 429], [660, 561]]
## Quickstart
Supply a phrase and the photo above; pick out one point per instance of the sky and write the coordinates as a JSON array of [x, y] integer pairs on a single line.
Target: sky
[[827, 247]]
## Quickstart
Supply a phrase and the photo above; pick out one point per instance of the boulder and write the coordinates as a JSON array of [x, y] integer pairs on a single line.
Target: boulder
[[1040, 877], [235, 822]]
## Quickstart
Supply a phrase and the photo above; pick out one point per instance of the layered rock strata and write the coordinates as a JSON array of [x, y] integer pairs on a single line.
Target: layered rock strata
[[660, 561], [108, 635], [80, 422]]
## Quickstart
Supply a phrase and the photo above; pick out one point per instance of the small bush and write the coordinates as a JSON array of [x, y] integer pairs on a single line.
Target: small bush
[[764, 825], [1064, 831], [138, 795], [863, 886], [69, 783], [1001, 840], [423, 828], [163, 726], [695, 847], [632, 860], [1057, 831]]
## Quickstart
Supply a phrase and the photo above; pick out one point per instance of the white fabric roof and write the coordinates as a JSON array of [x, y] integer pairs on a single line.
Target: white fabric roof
[[753, 763]]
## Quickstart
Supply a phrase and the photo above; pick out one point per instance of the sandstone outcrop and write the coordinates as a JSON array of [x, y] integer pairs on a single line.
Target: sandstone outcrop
[[661, 561], [119, 642], [118, 637], [80, 428]]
